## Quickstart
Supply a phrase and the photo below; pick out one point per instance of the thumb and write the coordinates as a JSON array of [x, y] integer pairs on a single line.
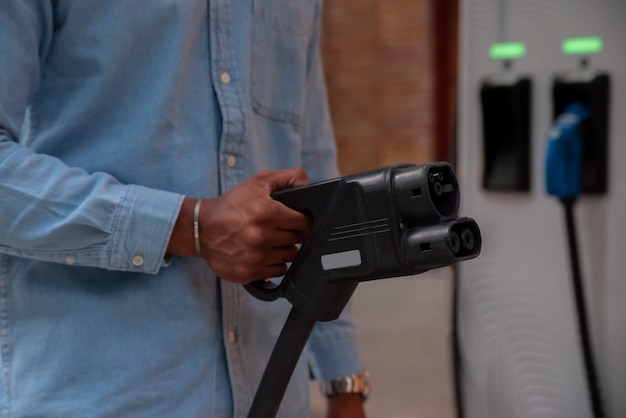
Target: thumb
[[284, 179]]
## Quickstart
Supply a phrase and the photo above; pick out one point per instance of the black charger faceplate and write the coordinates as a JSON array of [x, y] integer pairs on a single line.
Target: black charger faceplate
[[506, 126], [592, 90]]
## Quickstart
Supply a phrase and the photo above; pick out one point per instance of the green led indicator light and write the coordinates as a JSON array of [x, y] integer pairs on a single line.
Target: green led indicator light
[[507, 51], [587, 45]]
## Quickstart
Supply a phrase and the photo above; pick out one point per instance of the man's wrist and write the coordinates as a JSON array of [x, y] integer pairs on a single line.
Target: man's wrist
[[182, 237], [345, 406]]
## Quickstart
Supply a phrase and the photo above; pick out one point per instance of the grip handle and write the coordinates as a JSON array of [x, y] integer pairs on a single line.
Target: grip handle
[[264, 290]]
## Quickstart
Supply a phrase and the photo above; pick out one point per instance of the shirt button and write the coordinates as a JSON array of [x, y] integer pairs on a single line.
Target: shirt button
[[138, 260], [231, 161], [70, 260], [231, 337], [225, 78]]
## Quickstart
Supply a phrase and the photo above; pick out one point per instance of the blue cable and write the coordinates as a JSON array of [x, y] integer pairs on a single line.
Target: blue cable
[[563, 164]]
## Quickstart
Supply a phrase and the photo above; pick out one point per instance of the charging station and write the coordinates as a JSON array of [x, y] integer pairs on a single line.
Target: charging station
[[519, 341]]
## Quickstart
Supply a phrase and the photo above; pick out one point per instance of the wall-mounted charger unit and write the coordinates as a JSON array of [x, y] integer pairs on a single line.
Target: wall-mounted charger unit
[[592, 90], [505, 102]]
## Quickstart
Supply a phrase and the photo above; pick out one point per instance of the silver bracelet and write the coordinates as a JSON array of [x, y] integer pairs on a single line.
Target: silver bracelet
[[196, 227]]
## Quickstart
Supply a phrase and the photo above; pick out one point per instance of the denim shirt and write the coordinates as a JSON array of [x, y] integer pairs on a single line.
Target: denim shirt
[[111, 112]]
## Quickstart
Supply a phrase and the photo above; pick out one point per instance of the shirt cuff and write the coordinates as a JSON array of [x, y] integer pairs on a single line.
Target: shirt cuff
[[141, 231], [333, 350]]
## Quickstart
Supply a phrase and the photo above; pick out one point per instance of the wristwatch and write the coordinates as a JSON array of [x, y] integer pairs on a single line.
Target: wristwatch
[[356, 383]]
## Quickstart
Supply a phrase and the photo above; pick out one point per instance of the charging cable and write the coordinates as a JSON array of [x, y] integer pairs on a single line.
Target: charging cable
[[563, 162]]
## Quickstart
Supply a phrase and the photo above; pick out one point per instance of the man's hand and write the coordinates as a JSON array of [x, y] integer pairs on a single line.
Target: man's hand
[[345, 406], [245, 235]]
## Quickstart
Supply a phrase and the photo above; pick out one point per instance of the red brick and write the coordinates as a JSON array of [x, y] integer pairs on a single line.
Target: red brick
[[379, 70]]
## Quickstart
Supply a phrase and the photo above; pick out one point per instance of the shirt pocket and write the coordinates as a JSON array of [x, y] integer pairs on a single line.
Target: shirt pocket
[[281, 33]]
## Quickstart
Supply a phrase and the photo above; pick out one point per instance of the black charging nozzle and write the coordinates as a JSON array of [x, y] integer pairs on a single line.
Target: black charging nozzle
[[395, 221]]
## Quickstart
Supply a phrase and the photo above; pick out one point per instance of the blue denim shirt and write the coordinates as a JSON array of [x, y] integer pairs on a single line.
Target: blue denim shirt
[[111, 112]]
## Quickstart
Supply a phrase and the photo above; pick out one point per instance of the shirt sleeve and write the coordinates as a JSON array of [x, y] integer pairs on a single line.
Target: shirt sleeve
[[53, 212], [332, 346], [319, 150]]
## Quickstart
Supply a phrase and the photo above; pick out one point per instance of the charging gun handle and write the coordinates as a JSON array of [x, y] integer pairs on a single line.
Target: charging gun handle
[[311, 199], [315, 200]]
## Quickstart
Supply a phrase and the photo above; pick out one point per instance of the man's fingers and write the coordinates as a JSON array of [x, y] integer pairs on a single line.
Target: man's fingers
[[283, 238], [287, 219], [281, 255], [284, 179], [276, 270], [247, 275]]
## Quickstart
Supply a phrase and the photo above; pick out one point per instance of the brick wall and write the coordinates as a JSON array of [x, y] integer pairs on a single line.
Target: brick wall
[[379, 68]]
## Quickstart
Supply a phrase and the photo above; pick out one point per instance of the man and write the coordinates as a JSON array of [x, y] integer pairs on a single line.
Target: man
[[131, 138]]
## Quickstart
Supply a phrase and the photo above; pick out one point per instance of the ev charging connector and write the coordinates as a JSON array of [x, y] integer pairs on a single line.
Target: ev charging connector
[[564, 157], [396, 221], [564, 153]]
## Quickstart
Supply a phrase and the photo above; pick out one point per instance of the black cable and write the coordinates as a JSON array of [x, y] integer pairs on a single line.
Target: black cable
[[579, 295], [456, 346], [282, 362]]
